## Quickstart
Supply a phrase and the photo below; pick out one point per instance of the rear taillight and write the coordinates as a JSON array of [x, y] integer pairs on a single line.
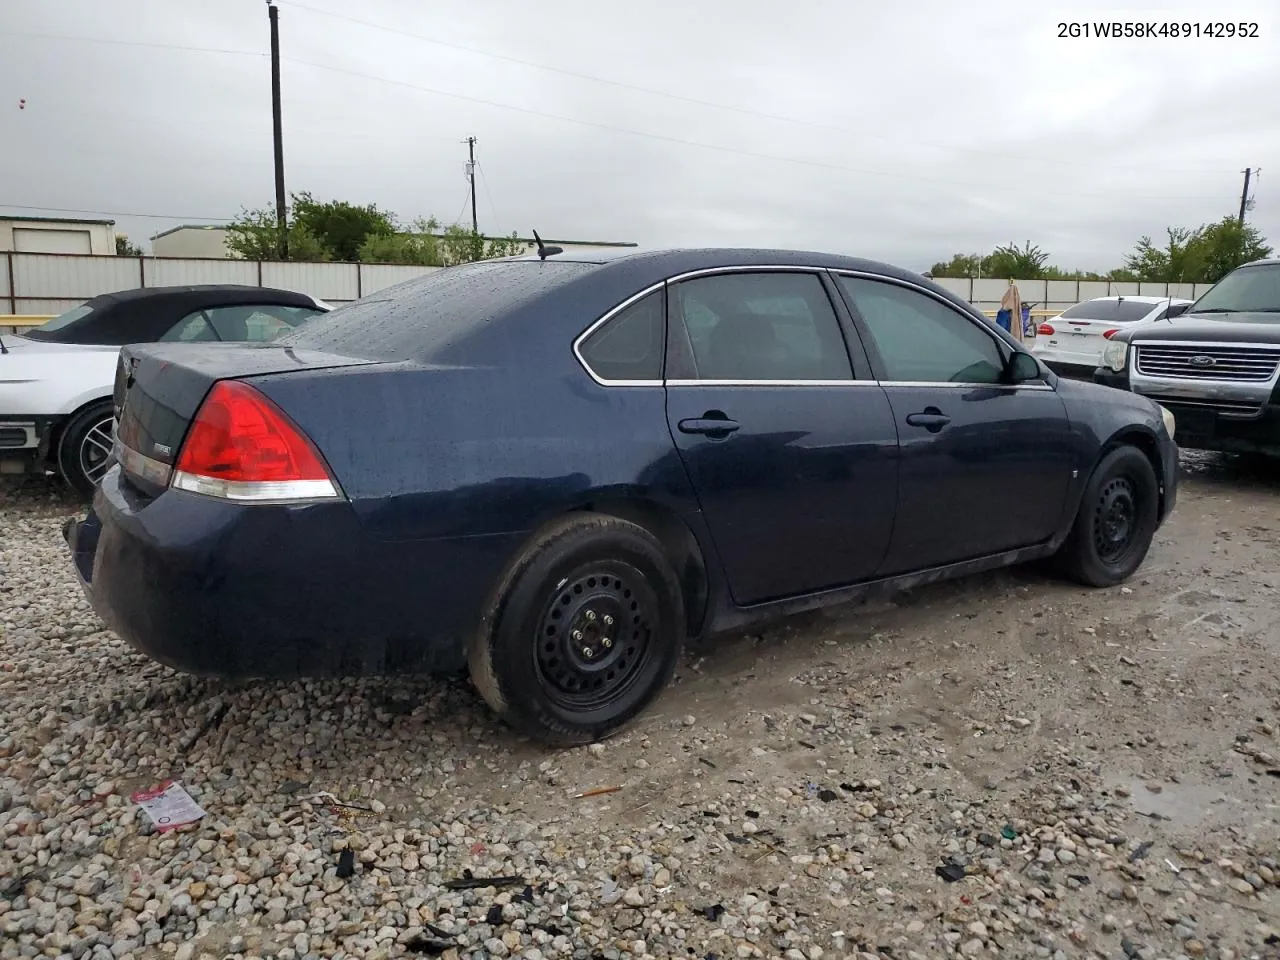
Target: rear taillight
[[1045, 330], [1111, 333], [241, 446]]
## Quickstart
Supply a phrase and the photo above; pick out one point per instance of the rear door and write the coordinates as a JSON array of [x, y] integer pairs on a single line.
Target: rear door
[[788, 442], [985, 465]]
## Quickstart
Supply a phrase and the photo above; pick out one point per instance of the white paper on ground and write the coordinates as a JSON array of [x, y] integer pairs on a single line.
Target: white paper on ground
[[169, 805]]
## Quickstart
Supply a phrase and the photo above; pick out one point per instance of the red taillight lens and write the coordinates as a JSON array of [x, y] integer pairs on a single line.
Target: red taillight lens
[[242, 446], [1111, 333], [1045, 330]]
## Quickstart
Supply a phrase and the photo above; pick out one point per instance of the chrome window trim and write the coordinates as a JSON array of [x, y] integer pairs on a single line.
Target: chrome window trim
[[772, 383], [792, 268], [687, 275], [578, 341]]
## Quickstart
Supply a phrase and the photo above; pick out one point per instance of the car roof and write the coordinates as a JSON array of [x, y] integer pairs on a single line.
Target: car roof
[[205, 293], [522, 310], [1138, 299], [142, 315]]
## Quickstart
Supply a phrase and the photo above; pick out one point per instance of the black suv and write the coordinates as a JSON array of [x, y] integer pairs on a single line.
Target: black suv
[[1214, 364]]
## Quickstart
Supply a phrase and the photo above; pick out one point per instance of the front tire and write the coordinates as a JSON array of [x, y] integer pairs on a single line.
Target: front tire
[[586, 631], [85, 447], [1118, 516]]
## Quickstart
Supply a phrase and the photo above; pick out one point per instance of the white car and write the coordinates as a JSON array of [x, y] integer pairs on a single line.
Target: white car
[[1077, 336], [56, 380]]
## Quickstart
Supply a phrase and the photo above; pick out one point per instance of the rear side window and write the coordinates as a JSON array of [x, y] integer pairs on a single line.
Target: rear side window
[[760, 326], [629, 345]]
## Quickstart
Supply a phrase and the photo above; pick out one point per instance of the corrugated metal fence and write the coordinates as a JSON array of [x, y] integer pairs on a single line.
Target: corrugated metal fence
[[1057, 295], [48, 283]]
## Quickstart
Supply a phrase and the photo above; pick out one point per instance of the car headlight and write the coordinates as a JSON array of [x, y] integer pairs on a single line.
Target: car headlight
[[1169, 422], [1114, 356]]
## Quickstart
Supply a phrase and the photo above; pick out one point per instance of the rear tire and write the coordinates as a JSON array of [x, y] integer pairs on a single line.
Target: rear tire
[[1118, 516], [84, 447], [585, 632]]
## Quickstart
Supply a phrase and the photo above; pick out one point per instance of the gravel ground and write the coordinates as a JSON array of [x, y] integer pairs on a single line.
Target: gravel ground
[[1000, 766]]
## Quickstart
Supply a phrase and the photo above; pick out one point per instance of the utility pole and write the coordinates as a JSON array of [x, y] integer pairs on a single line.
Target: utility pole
[[283, 240], [1244, 194], [471, 176]]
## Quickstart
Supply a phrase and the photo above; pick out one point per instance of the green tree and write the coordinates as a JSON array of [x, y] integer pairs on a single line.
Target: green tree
[[960, 265], [1026, 263], [420, 246], [340, 227], [1179, 261], [503, 247], [125, 247], [253, 235], [1228, 244]]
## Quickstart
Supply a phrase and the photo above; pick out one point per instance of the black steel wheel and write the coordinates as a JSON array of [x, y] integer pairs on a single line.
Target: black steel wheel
[[85, 447], [1118, 516], [584, 633]]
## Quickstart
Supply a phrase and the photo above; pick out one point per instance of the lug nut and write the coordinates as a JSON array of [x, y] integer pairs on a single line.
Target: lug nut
[[608, 620], [591, 615], [606, 642], [586, 652], [577, 636]]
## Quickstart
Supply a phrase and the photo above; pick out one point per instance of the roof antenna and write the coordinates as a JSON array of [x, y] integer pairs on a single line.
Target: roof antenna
[[543, 250]]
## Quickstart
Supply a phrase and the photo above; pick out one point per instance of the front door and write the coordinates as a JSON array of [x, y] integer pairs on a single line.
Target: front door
[[985, 465], [793, 457]]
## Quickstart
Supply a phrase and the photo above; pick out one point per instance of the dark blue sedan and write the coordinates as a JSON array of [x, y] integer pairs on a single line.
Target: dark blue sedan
[[553, 470]]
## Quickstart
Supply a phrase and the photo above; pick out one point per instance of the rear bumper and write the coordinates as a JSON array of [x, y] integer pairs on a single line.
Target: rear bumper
[[284, 591]]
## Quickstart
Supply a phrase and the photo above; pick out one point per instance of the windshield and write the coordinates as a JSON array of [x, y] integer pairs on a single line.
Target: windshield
[[1109, 309], [60, 321], [1242, 291]]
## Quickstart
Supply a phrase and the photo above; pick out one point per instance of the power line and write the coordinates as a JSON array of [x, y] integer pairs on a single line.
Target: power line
[[696, 143], [136, 43], [485, 180], [684, 98], [862, 135], [113, 213]]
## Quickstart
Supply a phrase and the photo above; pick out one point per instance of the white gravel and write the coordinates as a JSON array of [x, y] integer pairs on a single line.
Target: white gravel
[[967, 771]]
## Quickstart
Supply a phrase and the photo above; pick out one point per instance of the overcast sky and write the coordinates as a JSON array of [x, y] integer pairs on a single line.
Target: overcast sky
[[904, 131]]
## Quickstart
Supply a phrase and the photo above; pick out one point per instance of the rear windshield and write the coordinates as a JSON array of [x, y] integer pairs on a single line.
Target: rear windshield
[[1112, 311], [419, 318], [59, 322]]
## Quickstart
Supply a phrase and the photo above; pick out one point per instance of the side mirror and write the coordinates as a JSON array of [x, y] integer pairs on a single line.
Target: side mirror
[[1178, 309], [1022, 367]]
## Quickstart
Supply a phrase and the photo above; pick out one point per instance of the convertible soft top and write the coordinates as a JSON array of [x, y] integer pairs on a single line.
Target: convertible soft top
[[144, 314]]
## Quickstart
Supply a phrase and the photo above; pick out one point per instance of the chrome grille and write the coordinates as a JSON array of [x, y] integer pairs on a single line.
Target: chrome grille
[[1202, 362]]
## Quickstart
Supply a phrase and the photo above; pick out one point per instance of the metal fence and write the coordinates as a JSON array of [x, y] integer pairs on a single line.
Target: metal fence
[[50, 283], [1054, 296]]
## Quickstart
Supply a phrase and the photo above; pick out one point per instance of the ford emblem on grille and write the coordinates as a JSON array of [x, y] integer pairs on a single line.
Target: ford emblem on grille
[[1202, 361]]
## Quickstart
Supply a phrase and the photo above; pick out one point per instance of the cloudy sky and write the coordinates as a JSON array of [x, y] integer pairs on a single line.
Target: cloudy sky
[[904, 131]]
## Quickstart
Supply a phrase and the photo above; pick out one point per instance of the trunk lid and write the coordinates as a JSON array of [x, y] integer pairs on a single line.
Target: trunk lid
[[159, 387]]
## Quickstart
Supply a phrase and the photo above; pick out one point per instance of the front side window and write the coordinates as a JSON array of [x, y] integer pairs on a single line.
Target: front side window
[[628, 346], [921, 340], [254, 323], [760, 326]]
